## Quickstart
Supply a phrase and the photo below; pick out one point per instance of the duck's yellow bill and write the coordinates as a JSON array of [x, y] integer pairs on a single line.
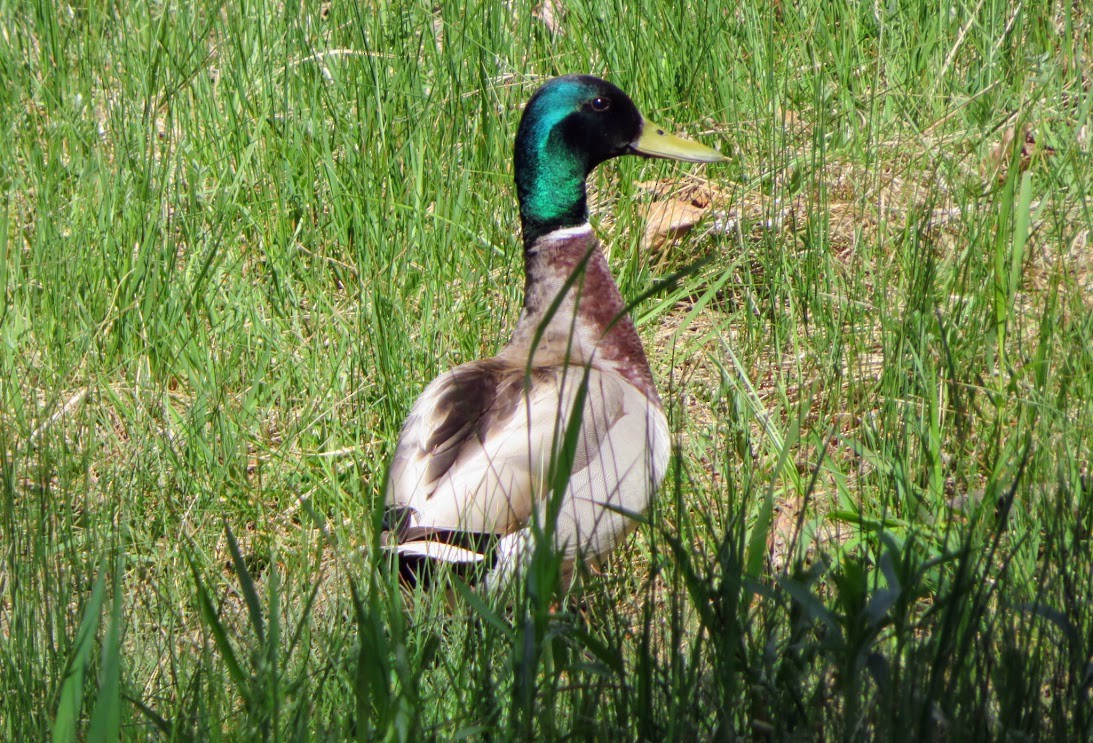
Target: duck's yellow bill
[[655, 142]]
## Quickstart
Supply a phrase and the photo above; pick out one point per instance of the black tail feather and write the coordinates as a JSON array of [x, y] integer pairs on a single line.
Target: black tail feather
[[421, 570]]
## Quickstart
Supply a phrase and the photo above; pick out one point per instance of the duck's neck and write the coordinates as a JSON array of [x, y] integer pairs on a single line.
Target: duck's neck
[[590, 324], [550, 180]]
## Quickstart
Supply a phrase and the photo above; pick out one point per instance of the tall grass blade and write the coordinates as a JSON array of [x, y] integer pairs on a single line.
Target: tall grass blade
[[1022, 217], [211, 617], [246, 584], [68, 708], [105, 722]]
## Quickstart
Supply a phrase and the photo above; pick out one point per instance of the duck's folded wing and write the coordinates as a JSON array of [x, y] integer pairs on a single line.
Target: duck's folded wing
[[473, 461], [462, 462]]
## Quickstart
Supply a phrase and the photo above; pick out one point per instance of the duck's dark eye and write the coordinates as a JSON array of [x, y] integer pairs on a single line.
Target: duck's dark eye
[[601, 104]]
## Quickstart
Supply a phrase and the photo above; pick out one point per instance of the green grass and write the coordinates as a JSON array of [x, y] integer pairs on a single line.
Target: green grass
[[237, 240]]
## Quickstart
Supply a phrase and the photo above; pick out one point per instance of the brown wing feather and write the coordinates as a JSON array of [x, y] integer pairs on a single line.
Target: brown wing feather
[[459, 407], [465, 400], [459, 452]]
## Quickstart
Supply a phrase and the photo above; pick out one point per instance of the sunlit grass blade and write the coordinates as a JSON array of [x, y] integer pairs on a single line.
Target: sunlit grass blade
[[105, 724], [219, 632], [246, 584], [371, 682], [71, 698]]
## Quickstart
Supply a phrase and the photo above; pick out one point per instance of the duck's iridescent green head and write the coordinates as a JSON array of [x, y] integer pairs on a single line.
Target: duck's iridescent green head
[[571, 125]]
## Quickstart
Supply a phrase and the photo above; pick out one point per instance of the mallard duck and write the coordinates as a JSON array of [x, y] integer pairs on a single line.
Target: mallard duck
[[471, 479]]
